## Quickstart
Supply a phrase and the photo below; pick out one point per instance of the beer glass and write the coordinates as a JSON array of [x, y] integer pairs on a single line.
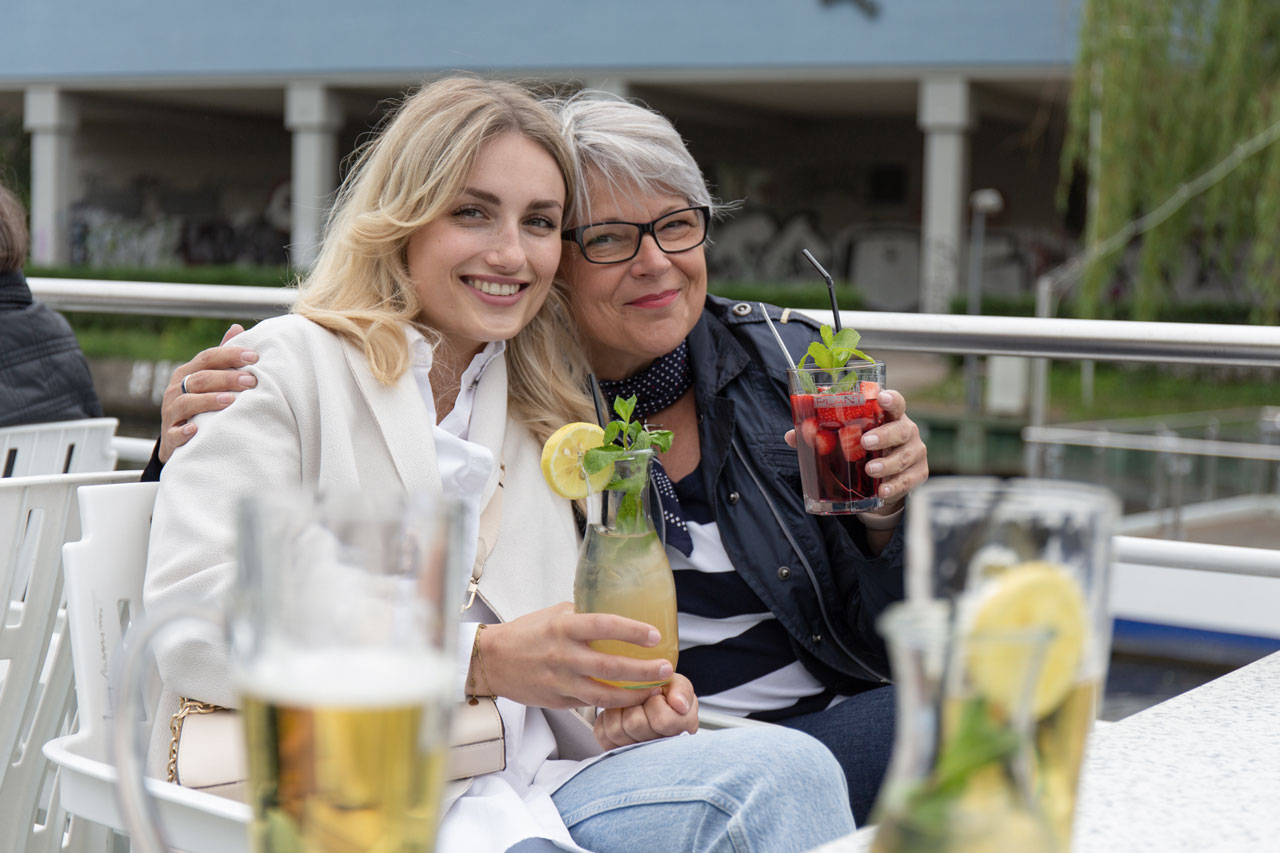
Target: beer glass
[[339, 637], [1023, 553]]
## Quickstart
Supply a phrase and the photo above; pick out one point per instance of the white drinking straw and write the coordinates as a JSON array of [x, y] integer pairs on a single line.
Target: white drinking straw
[[777, 337]]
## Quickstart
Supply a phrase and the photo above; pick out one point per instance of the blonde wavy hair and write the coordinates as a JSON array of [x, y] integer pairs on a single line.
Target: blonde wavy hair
[[408, 175]]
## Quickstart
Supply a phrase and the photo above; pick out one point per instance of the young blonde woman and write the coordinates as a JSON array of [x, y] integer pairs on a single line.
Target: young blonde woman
[[421, 354]]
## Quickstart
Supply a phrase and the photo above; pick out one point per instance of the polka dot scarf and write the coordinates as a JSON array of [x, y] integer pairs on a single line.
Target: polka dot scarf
[[657, 387]]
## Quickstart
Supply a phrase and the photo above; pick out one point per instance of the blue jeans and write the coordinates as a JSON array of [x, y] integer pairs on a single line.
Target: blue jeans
[[768, 790], [859, 732]]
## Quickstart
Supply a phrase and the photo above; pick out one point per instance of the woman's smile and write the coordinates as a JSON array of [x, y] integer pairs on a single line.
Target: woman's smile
[[495, 290], [655, 300]]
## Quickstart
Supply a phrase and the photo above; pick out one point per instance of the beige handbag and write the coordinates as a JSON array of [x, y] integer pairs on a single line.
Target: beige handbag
[[205, 751]]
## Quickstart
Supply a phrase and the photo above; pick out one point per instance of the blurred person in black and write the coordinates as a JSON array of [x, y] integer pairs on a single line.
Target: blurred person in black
[[43, 375]]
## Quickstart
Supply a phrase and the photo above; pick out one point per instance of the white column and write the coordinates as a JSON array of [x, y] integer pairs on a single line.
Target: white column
[[945, 116], [312, 113], [51, 118]]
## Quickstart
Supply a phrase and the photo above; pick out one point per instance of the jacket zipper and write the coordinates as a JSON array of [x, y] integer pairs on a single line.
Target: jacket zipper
[[813, 579]]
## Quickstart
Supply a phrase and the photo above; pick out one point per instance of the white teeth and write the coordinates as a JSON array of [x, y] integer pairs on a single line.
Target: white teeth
[[494, 288]]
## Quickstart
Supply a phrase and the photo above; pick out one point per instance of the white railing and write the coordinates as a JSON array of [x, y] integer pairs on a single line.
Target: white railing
[[1103, 340]]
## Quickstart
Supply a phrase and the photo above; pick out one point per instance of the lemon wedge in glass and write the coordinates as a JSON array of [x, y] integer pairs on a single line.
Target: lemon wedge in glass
[[1028, 596], [562, 460]]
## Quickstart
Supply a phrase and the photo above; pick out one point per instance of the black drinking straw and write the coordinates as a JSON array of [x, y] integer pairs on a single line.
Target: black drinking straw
[[596, 395], [831, 287]]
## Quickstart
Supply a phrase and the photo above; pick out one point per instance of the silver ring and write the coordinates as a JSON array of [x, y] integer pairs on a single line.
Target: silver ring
[[183, 386]]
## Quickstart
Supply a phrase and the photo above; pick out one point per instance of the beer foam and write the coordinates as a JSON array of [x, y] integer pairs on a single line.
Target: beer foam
[[347, 678]]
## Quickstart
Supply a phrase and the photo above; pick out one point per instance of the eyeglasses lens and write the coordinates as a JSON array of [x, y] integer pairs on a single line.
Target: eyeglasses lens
[[619, 241]]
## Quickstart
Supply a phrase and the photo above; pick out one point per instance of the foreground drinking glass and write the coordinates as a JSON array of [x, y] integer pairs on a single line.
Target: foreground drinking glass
[[340, 650], [831, 410], [1027, 553], [622, 566], [961, 776]]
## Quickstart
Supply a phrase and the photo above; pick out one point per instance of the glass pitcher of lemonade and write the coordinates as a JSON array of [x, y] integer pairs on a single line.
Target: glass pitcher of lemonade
[[622, 565]]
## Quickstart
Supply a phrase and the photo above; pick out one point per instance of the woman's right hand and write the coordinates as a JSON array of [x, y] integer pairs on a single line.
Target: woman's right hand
[[212, 380], [542, 659]]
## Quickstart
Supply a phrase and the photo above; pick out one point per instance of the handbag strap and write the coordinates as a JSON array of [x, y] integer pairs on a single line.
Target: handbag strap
[[490, 521], [186, 707]]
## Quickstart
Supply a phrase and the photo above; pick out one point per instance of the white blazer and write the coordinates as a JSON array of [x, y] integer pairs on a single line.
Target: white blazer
[[318, 416]]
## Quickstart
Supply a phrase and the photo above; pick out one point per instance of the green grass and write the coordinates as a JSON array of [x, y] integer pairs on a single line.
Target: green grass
[[146, 338], [795, 295], [1123, 391]]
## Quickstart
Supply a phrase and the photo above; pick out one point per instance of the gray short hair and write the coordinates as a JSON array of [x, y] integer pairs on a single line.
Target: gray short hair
[[627, 147]]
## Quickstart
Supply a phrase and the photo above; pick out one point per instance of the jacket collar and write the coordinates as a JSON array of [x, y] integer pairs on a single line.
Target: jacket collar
[[14, 292], [717, 358], [402, 417]]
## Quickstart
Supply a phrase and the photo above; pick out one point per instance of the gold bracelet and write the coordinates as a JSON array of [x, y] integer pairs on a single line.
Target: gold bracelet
[[477, 663]]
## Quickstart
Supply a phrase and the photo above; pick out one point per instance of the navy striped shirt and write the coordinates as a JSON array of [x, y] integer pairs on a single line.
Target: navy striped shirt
[[732, 648]]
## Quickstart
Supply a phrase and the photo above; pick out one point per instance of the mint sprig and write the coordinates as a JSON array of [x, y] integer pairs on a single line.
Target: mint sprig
[[979, 741], [835, 350], [623, 435]]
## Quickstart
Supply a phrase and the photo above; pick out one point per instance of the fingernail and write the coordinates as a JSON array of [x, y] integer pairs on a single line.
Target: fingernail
[[189, 429], [874, 468], [886, 399], [678, 703], [665, 671], [654, 636], [225, 397], [248, 357], [885, 491], [248, 380], [870, 441]]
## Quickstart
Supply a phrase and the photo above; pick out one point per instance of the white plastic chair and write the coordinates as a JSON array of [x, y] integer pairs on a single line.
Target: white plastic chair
[[59, 447], [104, 573], [37, 515]]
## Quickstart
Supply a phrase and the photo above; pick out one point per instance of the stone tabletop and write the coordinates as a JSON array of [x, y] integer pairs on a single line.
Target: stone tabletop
[[1200, 772]]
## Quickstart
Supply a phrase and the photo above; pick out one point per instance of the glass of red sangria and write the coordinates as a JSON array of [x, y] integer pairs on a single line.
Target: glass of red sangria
[[832, 408]]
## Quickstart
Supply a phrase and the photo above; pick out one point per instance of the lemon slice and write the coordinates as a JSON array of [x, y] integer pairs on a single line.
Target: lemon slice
[[562, 460], [1028, 596]]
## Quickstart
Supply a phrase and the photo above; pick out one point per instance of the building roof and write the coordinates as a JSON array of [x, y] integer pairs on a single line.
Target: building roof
[[83, 41]]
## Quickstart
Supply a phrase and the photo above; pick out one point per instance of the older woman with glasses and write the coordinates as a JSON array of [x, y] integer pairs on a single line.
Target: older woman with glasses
[[777, 606]]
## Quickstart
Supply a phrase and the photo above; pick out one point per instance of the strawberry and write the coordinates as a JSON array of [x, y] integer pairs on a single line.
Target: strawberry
[[825, 442], [870, 390], [808, 430], [851, 443], [801, 407]]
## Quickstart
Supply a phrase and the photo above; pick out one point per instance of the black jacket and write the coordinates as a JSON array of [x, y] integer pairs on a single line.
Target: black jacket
[[43, 374], [811, 571]]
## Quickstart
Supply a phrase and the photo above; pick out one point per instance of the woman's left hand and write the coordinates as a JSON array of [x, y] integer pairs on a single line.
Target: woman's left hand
[[671, 710], [904, 460]]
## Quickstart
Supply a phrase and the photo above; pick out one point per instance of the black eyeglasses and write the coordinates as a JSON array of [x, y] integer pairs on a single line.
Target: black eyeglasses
[[614, 242]]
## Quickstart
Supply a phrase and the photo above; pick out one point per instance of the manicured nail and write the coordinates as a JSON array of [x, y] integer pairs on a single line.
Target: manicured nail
[[871, 441], [248, 357], [666, 671], [874, 468], [654, 636], [248, 380], [225, 397]]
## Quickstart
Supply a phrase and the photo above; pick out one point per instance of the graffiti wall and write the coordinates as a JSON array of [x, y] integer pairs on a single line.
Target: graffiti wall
[[150, 226], [881, 259]]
